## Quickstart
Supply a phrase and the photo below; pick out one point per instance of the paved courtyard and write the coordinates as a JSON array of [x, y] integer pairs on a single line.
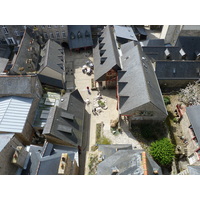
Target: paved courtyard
[[82, 81]]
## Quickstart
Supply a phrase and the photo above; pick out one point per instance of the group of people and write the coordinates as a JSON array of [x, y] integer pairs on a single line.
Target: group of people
[[87, 68]]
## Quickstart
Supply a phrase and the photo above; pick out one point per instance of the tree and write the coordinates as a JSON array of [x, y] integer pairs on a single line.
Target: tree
[[191, 94], [163, 151]]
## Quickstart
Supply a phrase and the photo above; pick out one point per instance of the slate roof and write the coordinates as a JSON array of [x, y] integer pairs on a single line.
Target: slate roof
[[178, 70], [19, 85], [193, 113], [193, 170], [5, 138], [153, 43], [45, 160], [79, 42], [125, 32], [52, 56], [158, 53], [191, 45], [126, 160], [24, 54], [111, 54], [66, 122], [4, 51], [3, 63], [137, 81], [13, 113]]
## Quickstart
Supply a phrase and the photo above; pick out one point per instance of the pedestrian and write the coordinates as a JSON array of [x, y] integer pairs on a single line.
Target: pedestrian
[[88, 89]]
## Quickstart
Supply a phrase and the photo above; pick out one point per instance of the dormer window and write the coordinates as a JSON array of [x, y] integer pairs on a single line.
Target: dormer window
[[79, 35], [72, 36], [103, 59], [87, 34], [167, 53]]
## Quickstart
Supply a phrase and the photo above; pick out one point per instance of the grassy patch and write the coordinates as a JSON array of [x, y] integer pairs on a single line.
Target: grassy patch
[[167, 100]]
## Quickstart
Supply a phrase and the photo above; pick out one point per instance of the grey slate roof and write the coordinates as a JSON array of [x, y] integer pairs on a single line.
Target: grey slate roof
[[3, 63], [111, 54], [191, 45], [4, 51], [126, 160], [45, 160], [13, 113], [24, 54], [19, 85], [125, 32], [153, 43], [178, 70], [137, 81], [79, 42], [193, 170], [158, 53], [193, 113], [66, 122]]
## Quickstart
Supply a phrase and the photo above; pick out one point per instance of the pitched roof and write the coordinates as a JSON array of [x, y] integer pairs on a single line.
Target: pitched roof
[[13, 113], [29, 49], [158, 53], [66, 122], [110, 53], [178, 70], [4, 51], [52, 56], [125, 160], [125, 32], [79, 36], [153, 43], [137, 81], [5, 138], [193, 170], [193, 113], [3, 63], [19, 85], [45, 160], [190, 44]]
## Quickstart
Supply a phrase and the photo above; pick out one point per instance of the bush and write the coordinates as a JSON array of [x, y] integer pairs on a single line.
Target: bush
[[167, 100], [163, 151], [103, 140], [101, 103]]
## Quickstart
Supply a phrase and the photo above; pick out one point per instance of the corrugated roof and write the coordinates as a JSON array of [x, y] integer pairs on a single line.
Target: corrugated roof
[[13, 113]]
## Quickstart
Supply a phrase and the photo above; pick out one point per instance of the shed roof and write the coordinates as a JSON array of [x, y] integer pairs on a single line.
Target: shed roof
[[193, 113], [178, 70], [13, 113], [79, 36], [110, 53]]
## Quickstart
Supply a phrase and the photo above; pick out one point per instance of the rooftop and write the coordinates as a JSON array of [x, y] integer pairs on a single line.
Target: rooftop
[[13, 113]]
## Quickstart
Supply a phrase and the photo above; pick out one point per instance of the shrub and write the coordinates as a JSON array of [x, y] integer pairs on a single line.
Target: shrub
[[101, 103], [163, 151], [166, 100], [103, 140]]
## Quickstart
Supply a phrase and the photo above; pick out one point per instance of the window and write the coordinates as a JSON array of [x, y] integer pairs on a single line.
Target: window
[[72, 36], [87, 34], [10, 41], [63, 34], [49, 26], [51, 35], [55, 26], [62, 25], [43, 26], [5, 30], [17, 33], [45, 35], [79, 35], [57, 34]]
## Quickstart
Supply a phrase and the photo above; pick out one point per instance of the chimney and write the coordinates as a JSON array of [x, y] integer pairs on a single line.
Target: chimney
[[115, 171], [64, 165]]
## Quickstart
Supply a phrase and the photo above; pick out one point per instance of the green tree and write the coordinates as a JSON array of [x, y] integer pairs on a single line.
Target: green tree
[[163, 151]]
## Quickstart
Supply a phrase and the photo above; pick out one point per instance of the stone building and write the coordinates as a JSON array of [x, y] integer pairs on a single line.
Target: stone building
[[11, 34]]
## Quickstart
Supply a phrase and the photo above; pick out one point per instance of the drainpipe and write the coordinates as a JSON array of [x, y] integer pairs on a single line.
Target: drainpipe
[[144, 164]]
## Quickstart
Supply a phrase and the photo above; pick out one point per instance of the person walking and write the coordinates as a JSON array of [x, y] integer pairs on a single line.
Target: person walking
[[88, 89]]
